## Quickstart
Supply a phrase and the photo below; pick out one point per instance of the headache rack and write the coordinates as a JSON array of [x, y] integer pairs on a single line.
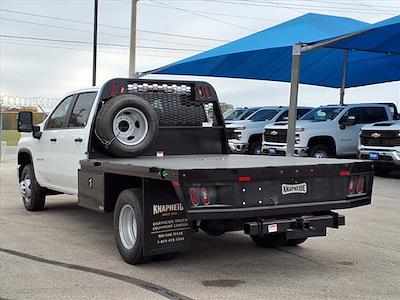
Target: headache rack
[[190, 118]]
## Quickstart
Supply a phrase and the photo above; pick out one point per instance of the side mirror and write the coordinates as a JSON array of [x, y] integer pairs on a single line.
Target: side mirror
[[25, 121], [347, 121], [36, 132]]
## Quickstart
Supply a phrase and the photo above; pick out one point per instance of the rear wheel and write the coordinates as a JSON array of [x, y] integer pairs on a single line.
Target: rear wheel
[[320, 151], [275, 240], [128, 227], [33, 195]]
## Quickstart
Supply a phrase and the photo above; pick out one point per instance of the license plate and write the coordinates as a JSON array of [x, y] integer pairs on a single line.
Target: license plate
[[373, 155], [300, 188], [271, 151]]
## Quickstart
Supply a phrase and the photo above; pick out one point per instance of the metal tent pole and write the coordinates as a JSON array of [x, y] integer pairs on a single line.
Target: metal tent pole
[[294, 90], [132, 49], [344, 74]]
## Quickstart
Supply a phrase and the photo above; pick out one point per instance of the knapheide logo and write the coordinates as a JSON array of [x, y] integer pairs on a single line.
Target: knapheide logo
[[163, 208]]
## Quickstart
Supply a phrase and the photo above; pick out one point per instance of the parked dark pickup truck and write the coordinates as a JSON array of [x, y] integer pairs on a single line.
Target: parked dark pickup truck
[[155, 154]]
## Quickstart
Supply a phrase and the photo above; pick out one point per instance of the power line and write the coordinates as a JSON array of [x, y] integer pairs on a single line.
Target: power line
[[114, 27], [87, 43], [201, 15], [102, 33], [83, 49]]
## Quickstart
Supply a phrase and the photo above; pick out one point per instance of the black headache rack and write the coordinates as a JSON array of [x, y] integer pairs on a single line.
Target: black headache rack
[[190, 106]]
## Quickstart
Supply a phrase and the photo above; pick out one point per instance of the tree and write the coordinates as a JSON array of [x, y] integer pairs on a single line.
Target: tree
[[225, 106]]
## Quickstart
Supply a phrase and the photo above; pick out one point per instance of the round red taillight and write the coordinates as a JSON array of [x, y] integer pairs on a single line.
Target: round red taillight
[[204, 196], [360, 184], [193, 196], [352, 184]]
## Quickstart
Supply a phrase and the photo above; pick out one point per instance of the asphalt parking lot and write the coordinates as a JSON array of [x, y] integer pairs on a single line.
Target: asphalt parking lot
[[67, 252]]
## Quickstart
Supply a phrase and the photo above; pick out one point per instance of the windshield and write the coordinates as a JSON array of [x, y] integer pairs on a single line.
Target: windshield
[[248, 113], [322, 114], [234, 114], [263, 115]]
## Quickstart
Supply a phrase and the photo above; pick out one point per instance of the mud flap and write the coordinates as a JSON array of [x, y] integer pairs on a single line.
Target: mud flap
[[166, 225]]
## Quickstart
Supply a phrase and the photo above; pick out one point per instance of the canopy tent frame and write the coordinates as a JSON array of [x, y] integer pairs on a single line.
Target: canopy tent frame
[[297, 50]]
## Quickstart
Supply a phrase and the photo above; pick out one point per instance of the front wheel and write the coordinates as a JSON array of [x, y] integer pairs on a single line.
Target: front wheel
[[255, 148], [33, 195], [128, 227], [320, 151]]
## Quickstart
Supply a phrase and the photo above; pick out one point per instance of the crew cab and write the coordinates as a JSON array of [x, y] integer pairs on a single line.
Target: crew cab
[[155, 154], [249, 131], [326, 131], [380, 142]]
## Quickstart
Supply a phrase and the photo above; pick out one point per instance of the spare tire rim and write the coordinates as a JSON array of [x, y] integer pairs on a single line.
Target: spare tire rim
[[25, 189], [130, 126], [127, 226]]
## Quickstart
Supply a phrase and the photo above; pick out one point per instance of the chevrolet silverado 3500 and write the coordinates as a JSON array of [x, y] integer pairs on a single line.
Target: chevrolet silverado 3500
[[155, 154]]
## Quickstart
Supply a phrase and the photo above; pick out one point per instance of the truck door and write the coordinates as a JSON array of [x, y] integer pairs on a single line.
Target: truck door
[[47, 161], [64, 143], [348, 137], [74, 142]]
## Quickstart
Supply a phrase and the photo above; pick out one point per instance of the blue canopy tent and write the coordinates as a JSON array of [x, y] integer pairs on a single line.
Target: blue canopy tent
[[334, 52]]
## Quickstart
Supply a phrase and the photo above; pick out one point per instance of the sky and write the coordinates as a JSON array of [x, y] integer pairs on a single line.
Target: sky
[[168, 30]]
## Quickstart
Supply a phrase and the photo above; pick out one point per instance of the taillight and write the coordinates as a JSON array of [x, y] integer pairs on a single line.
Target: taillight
[[207, 91], [193, 196], [200, 92], [360, 184], [204, 196], [352, 184], [357, 185]]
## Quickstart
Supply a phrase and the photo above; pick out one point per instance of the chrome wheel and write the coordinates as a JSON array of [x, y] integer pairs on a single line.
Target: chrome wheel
[[25, 189], [321, 154], [130, 126], [127, 226]]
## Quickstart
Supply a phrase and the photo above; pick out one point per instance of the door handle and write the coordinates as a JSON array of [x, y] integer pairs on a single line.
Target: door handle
[[53, 140], [79, 140]]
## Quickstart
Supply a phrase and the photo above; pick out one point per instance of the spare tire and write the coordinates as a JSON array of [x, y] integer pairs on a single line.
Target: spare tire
[[126, 126]]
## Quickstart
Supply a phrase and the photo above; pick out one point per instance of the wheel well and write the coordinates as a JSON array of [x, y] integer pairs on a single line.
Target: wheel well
[[24, 158], [255, 138], [327, 141], [114, 185]]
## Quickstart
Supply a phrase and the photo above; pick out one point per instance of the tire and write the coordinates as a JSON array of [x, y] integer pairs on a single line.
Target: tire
[[382, 171], [126, 126], [276, 240], [320, 151], [255, 148], [33, 195], [128, 215]]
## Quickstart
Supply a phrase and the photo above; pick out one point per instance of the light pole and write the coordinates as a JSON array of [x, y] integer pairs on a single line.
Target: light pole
[[132, 50], [96, 8]]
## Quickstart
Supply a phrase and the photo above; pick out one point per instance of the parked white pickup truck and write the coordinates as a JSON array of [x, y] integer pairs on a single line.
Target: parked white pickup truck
[[250, 131], [326, 131], [155, 154], [380, 142]]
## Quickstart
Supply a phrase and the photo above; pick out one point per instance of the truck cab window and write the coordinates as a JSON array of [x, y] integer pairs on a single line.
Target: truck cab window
[[81, 110], [57, 118], [374, 114]]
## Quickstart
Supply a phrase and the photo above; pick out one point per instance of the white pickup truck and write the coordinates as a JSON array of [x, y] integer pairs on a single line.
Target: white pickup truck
[[249, 132], [380, 142], [326, 131], [155, 154]]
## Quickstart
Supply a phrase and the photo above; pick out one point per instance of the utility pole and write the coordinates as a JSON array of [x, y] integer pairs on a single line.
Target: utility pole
[[96, 8], [132, 50]]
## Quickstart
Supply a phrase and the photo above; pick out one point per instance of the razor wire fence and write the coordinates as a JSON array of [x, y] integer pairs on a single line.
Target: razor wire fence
[[10, 106]]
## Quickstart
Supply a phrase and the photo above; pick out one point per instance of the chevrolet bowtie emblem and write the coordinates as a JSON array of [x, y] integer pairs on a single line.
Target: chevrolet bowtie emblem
[[274, 132], [376, 135]]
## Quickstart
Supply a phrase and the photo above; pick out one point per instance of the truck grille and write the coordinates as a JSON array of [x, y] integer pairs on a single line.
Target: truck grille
[[380, 138], [275, 135]]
